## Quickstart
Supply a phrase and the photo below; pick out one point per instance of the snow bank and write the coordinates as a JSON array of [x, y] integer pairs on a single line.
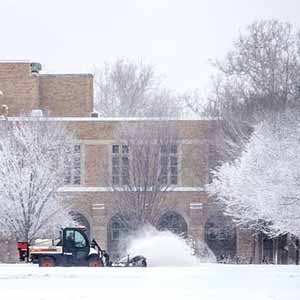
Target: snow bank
[[163, 248]]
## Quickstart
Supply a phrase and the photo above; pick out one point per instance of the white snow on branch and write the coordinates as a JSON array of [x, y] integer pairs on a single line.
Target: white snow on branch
[[32, 160], [262, 188]]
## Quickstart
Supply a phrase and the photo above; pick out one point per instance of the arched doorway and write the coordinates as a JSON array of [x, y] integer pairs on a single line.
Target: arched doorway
[[117, 235], [81, 220], [173, 222], [220, 236]]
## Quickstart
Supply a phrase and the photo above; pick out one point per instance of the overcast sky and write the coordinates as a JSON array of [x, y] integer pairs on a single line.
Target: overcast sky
[[177, 36]]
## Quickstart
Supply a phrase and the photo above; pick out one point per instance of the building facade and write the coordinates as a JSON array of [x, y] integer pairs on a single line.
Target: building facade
[[98, 157]]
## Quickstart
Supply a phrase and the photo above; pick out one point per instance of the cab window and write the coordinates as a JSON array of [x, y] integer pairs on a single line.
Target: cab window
[[80, 241]]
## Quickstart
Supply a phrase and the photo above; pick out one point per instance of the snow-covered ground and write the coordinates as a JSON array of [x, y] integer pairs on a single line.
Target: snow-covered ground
[[204, 282], [174, 273]]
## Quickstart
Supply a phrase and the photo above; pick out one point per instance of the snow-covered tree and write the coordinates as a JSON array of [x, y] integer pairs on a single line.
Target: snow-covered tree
[[261, 189], [128, 89], [33, 153]]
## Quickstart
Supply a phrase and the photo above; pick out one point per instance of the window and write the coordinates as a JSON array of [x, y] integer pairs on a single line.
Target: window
[[169, 164], [75, 239], [120, 164], [80, 241], [173, 222], [73, 166], [70, 235], [115, 235], [118, 231]]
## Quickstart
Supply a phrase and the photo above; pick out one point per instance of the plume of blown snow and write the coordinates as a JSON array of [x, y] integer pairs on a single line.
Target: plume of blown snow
[[163, 248]]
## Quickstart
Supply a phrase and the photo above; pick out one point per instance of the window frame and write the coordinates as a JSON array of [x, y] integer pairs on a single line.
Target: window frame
[[169, 172], [120, 175], [73, 171]]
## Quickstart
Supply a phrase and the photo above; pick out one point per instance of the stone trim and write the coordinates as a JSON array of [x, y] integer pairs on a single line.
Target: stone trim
[[111, 189], [111, 141], [97, 206], [196, 205]]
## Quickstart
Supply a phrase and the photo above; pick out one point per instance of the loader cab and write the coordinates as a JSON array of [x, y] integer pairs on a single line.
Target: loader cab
[[76, 246]]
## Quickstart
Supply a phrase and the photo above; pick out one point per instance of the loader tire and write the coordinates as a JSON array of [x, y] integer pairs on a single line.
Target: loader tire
[[144, 263], [47, 262], [95, 262]]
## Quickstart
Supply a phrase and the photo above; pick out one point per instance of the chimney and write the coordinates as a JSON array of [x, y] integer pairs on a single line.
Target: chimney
[[35, 67]]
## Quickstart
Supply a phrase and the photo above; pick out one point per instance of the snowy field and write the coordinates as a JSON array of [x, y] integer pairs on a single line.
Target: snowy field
[[204, 282]]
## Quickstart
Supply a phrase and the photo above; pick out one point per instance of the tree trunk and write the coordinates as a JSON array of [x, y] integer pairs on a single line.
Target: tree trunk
[[27, 240], [297, 252], [275, 251], [260, 248], [252, 259]]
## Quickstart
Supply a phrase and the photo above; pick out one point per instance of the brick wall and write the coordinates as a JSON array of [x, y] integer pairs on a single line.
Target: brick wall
[[8, 252], [19, 86], [83, 202], [97, 136], [14, 70], [67, 95]]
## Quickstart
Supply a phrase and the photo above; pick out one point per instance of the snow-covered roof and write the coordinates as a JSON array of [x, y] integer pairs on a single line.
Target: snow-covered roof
[[15, 61], [102, 119]]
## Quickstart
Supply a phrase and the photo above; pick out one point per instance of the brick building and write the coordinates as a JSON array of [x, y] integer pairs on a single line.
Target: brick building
[[69, 99]]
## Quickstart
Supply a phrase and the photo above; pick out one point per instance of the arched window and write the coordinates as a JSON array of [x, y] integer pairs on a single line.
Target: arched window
[[118, 230], [220, 236], [117, 235], [173, 222], [81, 220]]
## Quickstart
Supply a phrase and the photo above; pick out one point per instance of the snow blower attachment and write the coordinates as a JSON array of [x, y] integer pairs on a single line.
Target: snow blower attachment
[[75, 249]]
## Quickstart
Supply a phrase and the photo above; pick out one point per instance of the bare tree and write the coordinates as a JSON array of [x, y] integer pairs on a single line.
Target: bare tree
[[33, 155], [260, 75], [128, 89], [145, 166]]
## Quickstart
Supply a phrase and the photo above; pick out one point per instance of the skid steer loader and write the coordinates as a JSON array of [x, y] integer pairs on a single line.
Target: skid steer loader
[[75, 249]]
